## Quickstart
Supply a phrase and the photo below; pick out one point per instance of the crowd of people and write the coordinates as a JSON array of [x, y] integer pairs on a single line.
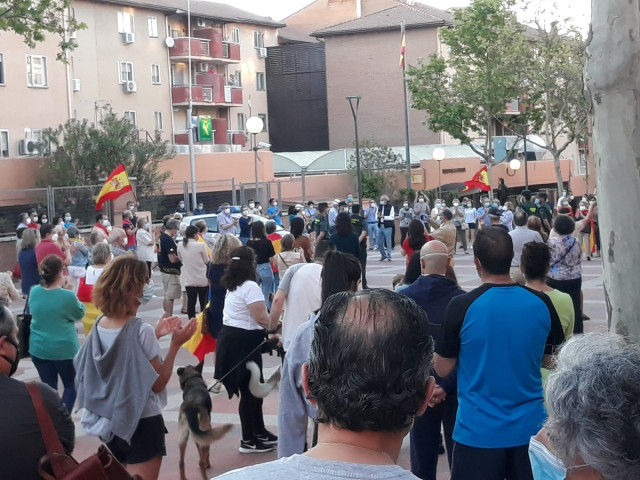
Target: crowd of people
[[361, 368]]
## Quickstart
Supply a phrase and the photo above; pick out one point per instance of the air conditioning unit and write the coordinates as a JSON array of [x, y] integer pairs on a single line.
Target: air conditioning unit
[[202, 67], [200, 22], [75, 84], [262, 52], [128, 38], [129, 86], [27, 147]]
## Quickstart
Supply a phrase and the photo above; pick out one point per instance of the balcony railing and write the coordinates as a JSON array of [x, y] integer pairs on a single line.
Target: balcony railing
[[206, 45], [227, 95]]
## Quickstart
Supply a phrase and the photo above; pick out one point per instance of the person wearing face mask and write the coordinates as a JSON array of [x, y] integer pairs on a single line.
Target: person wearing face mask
[[386, 220], [101, 224], [33, 215], [584, 234], [68, 223], [405, 215], [245, 225], [79, 258], [471, 219], [458, 221], [43, 219], [200, 209], [118, 242], [273, 212], [253, 207], [371, 220], [483, 213], [181, 208], [130, 229], [20, 436], [333, 213], [101, 257], [23, 221], [145, 242], [48, 246], [226, 223], [193, 274], [436, 213], [544, 211], [421, 207]]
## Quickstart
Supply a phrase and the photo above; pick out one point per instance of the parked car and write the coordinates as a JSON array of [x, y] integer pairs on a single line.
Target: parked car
[[212, 225]]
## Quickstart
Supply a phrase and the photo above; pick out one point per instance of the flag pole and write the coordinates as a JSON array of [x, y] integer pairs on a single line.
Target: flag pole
[[406, 105]]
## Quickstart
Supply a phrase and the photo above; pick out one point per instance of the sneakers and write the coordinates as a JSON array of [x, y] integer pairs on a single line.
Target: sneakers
[[254, 446], [267, 438]]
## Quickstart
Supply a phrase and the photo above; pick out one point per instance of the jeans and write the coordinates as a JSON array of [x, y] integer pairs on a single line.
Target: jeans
[[491, 463], [384, 235], [363, 263], [372, 231], [266, 280], [196, 294], [49, 371], [461, 236]]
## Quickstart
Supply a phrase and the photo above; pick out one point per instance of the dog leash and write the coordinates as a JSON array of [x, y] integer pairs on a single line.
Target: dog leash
[[219, 381]]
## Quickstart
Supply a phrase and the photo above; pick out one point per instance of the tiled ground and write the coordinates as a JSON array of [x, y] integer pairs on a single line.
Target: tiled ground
[[225, 454]]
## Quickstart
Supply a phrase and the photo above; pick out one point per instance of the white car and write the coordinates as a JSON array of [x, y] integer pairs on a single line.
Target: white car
[[212, 225]]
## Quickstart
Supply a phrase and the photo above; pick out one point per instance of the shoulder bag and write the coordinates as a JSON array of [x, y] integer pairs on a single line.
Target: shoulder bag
[[24, 329]]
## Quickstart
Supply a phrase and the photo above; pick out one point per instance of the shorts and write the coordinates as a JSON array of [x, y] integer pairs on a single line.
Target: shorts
[[472, 226], [147, 443], [171, 284]]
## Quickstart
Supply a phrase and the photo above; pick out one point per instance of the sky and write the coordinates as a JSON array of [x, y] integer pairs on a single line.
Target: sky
[[578, 10]]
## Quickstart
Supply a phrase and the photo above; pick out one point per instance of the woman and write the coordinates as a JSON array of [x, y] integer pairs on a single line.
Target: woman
[[506, 218], [121, 375], [118, 241], [471, 219], [79, 257], [340, 273], [421, 208], [54, 341], [565, 273], [221, 256], [535, 224], [412, 272], [289, 255], [101, 255], [416, 238], [405, 215], [344, 239], [193, 274], [245, 320], [265, 253], [27, 260], [245, 222], [584, 235], [301, 241], [146, 244]]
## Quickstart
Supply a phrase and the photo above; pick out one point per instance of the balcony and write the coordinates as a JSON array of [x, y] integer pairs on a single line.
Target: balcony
[[207, 45], [208, 89]]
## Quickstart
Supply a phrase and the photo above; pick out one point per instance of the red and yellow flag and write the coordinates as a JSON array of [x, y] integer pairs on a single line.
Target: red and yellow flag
[[480, 181], [116, 185]]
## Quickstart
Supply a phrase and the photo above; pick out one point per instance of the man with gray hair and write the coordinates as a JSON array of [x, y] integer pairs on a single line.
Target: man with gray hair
[[593, 401], [169, 264], [20, 436], [433, 292], [520, 235], [366, 410]]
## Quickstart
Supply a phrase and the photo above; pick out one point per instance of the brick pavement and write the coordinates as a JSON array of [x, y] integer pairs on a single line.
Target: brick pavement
[[224, 454]]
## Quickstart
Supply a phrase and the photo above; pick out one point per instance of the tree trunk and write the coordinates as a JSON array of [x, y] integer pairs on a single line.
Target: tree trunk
[[556, 165], [612, 76]]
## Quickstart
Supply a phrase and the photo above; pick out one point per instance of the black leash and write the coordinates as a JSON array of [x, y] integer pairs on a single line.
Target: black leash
[[236, 365]]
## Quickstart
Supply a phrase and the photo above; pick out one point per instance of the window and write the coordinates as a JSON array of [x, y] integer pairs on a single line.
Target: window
[[36, 70], [263, 117], [130, 115], [155, 74], [241, 120], [125, 70], [152, 26], [259, 81], [1, 69], [239, 78], [235, 35], [4, 143], [258, 40], [126, 23], [158, 122]]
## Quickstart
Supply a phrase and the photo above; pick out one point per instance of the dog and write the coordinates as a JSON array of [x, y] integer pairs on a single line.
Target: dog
[[257, 388], [195, 417]]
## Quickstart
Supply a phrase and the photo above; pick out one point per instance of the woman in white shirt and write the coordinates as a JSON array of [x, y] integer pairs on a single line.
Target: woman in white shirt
[[101, 255], [471, 219], [240, 340], [193, 274], [144, 240]]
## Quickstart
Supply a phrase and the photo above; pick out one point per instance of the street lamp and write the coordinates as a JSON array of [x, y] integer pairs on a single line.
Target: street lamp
[[439, 154], [354, 103], [254, 125], [514, 164]]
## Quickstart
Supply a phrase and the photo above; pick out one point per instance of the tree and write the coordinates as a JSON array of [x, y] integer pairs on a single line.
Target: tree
[[553, 85], [611, 74], [465, 91], [34, 19], [81, 154], [378, 165]]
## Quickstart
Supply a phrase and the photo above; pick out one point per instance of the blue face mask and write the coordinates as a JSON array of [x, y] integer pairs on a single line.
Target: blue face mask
[[487, 204], [495, 205], [537, 201], [544, 464], [147, 294]]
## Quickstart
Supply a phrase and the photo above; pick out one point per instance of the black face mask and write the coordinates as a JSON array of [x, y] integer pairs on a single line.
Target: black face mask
[[14, 363]]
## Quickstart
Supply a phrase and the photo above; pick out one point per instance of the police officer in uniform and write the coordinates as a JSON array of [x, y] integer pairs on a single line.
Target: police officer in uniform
[[359, 228]]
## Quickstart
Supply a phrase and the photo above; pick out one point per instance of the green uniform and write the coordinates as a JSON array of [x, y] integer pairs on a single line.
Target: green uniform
[[530, 209], [544, 213], [320, 224]]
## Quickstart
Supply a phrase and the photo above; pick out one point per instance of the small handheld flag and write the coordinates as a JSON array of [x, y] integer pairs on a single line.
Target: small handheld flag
[[116, 185]]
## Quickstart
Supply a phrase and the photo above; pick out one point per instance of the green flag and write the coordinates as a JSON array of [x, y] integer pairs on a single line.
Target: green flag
[[206, 130]]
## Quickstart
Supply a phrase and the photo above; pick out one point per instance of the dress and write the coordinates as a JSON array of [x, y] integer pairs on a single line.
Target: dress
[[28, 269]]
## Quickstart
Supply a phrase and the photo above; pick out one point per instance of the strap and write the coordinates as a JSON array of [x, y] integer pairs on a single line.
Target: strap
[[47, 429], [565, 253], [283, 261]]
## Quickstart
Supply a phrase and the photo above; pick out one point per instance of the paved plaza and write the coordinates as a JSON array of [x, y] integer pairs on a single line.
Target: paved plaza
[[224, 454]]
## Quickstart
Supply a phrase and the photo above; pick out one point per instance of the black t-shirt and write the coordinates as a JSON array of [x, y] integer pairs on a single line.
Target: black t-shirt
[[357, 222], [347, 244], [167, 246], [263, 248]]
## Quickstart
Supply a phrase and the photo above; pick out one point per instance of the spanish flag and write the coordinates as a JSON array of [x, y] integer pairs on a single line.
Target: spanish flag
[[480, 181], [116, 185], [403, 47]]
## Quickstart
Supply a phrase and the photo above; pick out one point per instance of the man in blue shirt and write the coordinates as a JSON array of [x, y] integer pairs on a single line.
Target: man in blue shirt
[[498, 336], [273, 212], [371, 216], [333, 213]]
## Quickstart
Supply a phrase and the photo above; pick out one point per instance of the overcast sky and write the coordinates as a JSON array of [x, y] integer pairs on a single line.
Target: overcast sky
[[578, 10]]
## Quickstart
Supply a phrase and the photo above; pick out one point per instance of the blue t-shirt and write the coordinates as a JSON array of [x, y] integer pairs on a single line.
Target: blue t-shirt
[[499, 334], [275, 211], [481, 216]]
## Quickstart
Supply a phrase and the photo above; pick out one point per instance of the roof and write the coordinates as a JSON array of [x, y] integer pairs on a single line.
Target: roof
[[203, 8], [414, 16]]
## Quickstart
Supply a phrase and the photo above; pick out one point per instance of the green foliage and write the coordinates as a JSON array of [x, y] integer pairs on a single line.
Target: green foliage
[[34, 19], [408, 194], [378, 165]]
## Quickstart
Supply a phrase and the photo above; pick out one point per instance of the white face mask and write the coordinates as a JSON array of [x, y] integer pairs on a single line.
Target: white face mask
[[200, 207], [382, 202], [592, 202], [252, 205], [245, 213], [275, 204], [455, 204], [260, 207], [469, 205], [146, 226], [181, 205], [27, 221], [44, 220], [105, 223], [405, 205], [227, 211], [421, 200], [132, 207], [67, 219], [66, 237], [55, 237], [373, 205]]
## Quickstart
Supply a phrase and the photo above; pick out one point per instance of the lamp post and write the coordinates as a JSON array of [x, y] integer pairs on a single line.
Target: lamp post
[[526, 169], [254, 125], [354, 103], [192, 159], [439, 154]]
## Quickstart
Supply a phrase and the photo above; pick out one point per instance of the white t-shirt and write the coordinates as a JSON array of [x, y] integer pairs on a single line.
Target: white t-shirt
[[236, 306], [303, 298], [92, 275]]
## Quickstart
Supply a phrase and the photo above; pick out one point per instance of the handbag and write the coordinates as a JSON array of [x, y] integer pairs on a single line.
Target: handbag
[[24, 330], [57, 465]]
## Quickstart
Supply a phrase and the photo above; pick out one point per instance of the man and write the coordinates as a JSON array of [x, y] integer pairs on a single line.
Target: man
[[253, 208], [319, 225], [200, 209], [447, 232], [273, 212], [502, 191], [519, 236], [498, 351], [118, 242], [333, 213], [349, 203], [357, 222], [544, 210], [130, 229], [181, 208], [169, 264], [384, 339], [309, 212], [131, 206], [20, 435], [33, 215], [527, 206], [371, 215], [483, 213], [495, 216], [386, 221], [226, 223], [48, 247], [458, 221], [421, 208], [299, 294], [433, 292], [101, 224]]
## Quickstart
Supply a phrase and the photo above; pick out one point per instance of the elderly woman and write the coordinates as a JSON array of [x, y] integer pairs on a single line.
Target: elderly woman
[[593, 400], [27, 260], [118, 242], [101, 256]]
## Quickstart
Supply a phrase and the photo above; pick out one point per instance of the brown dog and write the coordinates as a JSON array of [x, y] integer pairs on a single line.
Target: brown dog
[[195, 417]]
